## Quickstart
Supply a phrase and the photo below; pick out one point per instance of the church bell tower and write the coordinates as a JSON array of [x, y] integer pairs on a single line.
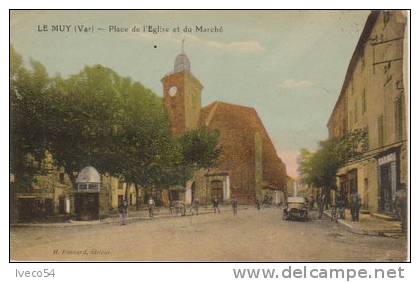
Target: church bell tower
[[182, 95]]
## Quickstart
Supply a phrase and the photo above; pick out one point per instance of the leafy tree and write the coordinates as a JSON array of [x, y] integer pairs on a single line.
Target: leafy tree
[[146, 147], [27, 112], [98, 118], [85, 113], [200, 148], [319, 168]]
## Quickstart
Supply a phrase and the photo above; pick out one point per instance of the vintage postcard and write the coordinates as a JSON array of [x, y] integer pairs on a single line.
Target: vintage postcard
[[209, 135]]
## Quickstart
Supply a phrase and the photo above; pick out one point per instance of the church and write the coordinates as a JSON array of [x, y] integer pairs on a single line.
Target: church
[[249, 167]]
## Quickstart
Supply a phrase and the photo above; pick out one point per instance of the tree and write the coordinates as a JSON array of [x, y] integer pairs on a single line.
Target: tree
[[99, 118], [319, 168], [200, 147], [28, 90], [146, 148], [85, 113]]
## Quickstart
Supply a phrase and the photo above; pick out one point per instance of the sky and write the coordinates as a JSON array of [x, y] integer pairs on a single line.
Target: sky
[[288, 65]]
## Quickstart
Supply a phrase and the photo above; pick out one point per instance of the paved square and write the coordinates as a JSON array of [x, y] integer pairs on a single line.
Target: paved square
[[251, 236]]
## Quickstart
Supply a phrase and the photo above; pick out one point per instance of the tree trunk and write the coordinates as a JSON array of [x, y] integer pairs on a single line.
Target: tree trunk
[[137, 198]]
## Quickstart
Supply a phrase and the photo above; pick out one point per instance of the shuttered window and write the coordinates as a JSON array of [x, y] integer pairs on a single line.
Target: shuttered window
[[381, 131], [398, 118]]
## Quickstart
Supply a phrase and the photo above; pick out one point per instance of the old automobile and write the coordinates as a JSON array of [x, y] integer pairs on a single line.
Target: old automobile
[[296, 208]]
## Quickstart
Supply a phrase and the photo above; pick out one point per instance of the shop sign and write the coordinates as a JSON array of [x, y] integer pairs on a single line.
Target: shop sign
[[387, 159]]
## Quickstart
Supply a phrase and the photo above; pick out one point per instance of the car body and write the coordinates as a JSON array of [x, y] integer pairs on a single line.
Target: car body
[[296, 208]]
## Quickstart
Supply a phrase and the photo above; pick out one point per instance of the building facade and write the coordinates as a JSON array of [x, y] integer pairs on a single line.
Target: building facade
[[52, 195], [373, 99], [249, 167]]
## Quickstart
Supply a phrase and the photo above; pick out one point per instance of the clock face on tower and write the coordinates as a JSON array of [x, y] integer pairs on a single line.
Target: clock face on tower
[[172, 91]]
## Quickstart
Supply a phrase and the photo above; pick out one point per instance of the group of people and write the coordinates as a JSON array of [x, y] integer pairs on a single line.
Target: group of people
[[267, 201], [123, 209], [340, 203], [178, 206], [234, 204]]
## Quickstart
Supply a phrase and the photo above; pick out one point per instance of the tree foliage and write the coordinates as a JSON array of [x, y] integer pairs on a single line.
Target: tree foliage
[[99, 118], [319, 168], [28, 90], [200, 148]]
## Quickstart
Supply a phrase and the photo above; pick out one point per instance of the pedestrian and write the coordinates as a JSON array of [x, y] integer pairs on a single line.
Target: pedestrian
[[321, 203], [257, 204], [340, 204], [125, 206], [171, 207], [194, 206], [355, 205], [234, 206], [151, 205], [401, 206], [181, 208], [311, 202], [216, 205], [121, 212]]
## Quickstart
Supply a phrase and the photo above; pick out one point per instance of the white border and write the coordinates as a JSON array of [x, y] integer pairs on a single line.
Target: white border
[[188, 271]]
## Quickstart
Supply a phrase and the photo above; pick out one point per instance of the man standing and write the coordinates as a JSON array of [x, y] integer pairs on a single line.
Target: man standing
[[235, 206], [321, 202], [216, 205], [355, 206], [125, 206], [340, 204], [121, 211], [401, 206], [311, 202], [151, 205], [194, 206]]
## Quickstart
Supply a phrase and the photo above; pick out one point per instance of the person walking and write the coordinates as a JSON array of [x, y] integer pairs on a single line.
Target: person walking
[[194, 206], [355, 206], [321, 203], [340, 204], [125, 206], [171, 207], [151, 206], [234, 206], [311, 202], [401, 206], [216, 205], [257, 204], [121, 212]]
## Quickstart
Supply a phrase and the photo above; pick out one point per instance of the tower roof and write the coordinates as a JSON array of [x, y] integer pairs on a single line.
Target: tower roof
[[182, 63]]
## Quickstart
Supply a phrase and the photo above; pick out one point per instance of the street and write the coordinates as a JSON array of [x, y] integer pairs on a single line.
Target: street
[[252, 235]]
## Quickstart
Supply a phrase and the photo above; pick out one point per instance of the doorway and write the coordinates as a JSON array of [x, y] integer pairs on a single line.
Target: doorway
[[217, 189], [385, 203], [87, 206]]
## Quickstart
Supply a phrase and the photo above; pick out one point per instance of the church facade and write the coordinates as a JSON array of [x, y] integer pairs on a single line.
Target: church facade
[[249, 167]]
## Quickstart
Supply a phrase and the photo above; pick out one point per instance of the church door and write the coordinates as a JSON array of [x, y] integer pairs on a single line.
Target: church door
[[217, 189]]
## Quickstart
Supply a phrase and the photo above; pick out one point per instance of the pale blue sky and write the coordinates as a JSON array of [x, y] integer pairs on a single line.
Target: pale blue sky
[[288, 65]]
